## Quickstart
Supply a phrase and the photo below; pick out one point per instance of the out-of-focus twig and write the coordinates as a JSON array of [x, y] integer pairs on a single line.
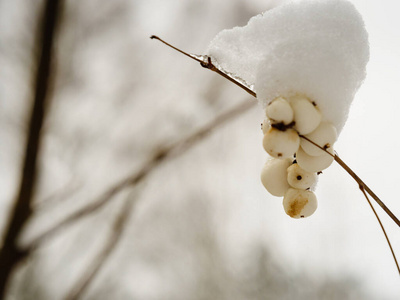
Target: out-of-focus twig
[[98, 262], [58, 196], [10, 255], [159, 157]]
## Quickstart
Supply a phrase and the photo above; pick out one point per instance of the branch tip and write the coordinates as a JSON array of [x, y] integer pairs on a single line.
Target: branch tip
[[208, 65]]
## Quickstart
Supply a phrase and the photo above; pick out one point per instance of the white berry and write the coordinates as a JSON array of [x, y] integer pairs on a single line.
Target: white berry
[[299, 203], [273, 176], [306, 116], [314, 163], [280, 111], [281, 144], [325, 136], [299, 178], [265, 126]]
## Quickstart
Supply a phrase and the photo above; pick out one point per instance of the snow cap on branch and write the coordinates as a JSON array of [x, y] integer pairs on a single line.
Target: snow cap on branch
[[315, 48]]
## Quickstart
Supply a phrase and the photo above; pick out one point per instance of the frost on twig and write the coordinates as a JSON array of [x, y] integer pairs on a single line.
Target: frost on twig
[[206, 62]]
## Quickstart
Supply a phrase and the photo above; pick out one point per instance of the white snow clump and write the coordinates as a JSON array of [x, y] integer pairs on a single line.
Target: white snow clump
[[305, 60], [315, 48]]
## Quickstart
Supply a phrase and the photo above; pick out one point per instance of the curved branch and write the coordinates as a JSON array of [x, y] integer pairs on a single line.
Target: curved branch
[[383, 228], [159, 157], [205, 62], [101, 258], [358, 180]]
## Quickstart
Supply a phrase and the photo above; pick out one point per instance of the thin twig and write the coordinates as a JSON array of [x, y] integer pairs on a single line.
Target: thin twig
[[205, 62], [58, 196], [10, 255], [99, 261], [161, 156], [383, 229], [357, 179]]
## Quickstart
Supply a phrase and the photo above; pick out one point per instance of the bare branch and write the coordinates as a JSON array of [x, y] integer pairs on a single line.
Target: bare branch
[[58, 196], [159, 157], [383, 228], [205, 62], [363, 187], [10, 255], [358, 180], [98, 262]]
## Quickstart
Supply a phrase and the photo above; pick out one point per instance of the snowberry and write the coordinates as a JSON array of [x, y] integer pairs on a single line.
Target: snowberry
[[273, 176], [265, 126], [306, 116], [325, 136], [281, 144], [299, 178], [299, 203], [314, 163], [280, 111]]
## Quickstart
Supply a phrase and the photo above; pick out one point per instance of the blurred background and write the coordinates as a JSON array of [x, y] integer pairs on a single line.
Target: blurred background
[[161, 160]]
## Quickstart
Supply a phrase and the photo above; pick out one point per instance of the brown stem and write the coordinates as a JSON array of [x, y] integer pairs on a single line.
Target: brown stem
[[10, 255], [206, 62], [358, 180], [383, 228]]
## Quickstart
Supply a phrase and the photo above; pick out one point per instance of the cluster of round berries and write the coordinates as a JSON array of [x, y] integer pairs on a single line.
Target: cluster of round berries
[[292, 172]]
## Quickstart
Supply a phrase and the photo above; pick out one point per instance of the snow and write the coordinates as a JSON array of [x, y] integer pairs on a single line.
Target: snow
[[314, 48]]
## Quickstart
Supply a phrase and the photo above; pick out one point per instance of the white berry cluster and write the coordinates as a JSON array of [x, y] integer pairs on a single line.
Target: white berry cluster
[[292, 171]]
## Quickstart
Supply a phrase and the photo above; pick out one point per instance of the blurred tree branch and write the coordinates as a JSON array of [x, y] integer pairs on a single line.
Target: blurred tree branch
[[10, 255], [112, 241], [64, 193], [160, 156]]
